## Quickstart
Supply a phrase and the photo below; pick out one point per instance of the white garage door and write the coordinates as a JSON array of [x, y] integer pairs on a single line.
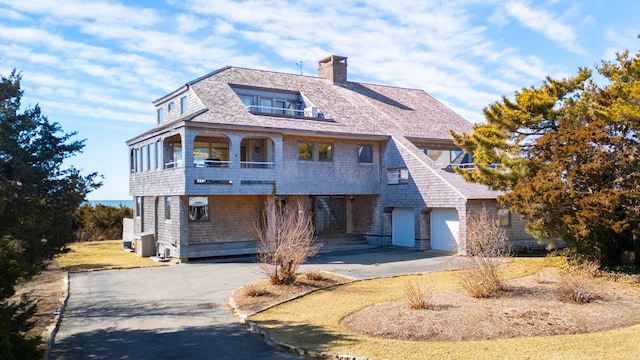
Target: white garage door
[[444, 229], [403, 227]]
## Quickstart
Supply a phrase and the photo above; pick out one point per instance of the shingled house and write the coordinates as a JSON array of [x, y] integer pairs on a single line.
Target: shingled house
[[374, 162]]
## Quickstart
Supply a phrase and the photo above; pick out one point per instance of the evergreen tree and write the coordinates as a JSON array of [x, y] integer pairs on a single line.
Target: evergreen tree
[[38, 198], [567, 153]]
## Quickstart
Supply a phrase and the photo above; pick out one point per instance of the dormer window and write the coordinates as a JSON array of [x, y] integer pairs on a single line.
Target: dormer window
[[159, 115], [285, 103], [183, 105]]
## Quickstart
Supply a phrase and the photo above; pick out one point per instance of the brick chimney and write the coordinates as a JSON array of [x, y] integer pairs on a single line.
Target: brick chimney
[[333, 68]]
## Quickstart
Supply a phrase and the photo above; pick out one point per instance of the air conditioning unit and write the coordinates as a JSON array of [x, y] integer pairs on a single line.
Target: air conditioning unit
[[311, 111]]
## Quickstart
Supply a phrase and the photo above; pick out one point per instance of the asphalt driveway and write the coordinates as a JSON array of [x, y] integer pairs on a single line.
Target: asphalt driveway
[[180, 311]]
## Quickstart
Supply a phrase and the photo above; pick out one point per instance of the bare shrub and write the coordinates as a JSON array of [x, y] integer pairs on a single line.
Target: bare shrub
[[591, 268], [540, 278], [255, 290], [483, 279], [314, 275], [577, 289], [285, 240], [486, 243], [485, 236], [418, 295]]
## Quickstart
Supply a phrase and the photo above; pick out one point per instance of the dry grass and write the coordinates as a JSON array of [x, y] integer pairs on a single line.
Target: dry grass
[[47, 288], [578, 289], [255, 290], [418, 295], [487, 242], [483, 280], [99, 255], [321, 330], [248, 301], [314, 275]]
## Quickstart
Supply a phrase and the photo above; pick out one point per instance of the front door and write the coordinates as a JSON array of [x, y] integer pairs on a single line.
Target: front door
[[330, 214]]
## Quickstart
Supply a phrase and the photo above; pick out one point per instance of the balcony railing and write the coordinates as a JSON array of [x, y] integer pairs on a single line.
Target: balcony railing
[[213, 163], [174, 164], [275, 110], [222, 164], [257, 165], [469, 166]]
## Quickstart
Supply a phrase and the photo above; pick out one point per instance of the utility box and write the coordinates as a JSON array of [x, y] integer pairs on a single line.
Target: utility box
[[145, 245]]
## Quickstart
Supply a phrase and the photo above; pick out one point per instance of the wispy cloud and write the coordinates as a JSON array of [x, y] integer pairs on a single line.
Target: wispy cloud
[[69, 11], [545, 23]]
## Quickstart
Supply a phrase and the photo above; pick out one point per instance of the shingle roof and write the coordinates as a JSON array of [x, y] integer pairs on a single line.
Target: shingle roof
[[353, 107]]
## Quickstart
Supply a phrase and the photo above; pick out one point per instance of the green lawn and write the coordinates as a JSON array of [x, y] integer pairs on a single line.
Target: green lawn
[[99, 255], [313, 323]]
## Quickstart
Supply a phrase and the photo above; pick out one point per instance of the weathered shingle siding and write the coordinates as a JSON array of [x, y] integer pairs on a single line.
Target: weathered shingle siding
[[169, 229], [342, 175], [224, 223], [385, 117], [519, 239], [193, 105], [364, 215]]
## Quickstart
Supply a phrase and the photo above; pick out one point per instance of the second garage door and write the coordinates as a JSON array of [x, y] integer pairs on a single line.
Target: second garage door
[[444, 229]]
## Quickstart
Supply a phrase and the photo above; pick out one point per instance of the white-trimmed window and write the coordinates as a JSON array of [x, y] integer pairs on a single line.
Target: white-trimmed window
[[171, 106], [132, 160], [325, 152], [183, 105], [145, 158], [160, 116], [266, 106], [153, 164], [138, 160], [305, 150], [138, 206], [397, 176], [198, 208], [158, 154], [365, 154], [167, 207]]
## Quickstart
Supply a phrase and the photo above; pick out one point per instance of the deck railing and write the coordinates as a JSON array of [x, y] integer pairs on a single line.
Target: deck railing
[[174, 164], [257, 164], [275, 110]]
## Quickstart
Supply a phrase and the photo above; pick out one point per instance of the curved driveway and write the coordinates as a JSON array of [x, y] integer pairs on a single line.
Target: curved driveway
[[180, 311]]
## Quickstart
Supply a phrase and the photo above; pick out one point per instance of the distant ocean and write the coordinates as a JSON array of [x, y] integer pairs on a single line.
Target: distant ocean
[[114, 203]]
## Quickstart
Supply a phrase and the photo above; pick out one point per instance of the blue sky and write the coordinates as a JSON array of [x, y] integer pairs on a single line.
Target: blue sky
[[96, 66]]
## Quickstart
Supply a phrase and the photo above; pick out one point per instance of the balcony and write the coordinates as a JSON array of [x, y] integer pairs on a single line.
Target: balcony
[[212, 163], [466, 166], [174, 164], [257, 164], [275, 110]]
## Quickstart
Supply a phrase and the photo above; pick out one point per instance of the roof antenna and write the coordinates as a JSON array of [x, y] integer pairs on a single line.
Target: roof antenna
[[300, 66]]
